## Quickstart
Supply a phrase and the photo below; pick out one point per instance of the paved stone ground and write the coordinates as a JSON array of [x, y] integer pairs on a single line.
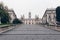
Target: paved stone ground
[[30, 32], [52, 27]]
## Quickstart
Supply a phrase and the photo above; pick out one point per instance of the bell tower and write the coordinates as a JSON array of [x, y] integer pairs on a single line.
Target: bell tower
[[29, 15]]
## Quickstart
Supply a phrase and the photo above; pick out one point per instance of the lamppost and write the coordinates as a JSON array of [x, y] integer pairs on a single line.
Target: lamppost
[[0, 20]]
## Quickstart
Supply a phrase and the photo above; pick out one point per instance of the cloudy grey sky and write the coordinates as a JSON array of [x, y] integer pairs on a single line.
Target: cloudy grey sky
[[37, 7]]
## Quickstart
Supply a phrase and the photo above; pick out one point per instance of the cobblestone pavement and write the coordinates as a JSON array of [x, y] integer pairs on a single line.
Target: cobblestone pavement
[[30, 32]]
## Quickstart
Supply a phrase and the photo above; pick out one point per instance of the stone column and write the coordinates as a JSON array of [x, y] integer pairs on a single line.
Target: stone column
[[52, 17], [47, 18]]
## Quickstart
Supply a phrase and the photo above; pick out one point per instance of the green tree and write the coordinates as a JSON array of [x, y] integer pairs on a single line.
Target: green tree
[[58, 15], [4, 15]]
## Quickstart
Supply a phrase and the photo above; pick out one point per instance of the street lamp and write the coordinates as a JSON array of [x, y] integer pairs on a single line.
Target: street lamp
[[0, 20]]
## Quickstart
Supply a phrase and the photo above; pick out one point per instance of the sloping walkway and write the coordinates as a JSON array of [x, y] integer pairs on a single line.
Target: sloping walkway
[[30, 32]]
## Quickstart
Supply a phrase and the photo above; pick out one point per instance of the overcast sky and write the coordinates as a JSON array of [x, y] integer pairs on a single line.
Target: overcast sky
[[37, 7]]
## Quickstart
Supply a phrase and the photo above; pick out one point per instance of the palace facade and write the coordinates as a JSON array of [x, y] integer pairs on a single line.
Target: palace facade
[[49, 16], [30, 20]]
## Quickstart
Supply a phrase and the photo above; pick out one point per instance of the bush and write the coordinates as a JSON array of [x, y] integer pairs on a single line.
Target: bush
[[17, 21]]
